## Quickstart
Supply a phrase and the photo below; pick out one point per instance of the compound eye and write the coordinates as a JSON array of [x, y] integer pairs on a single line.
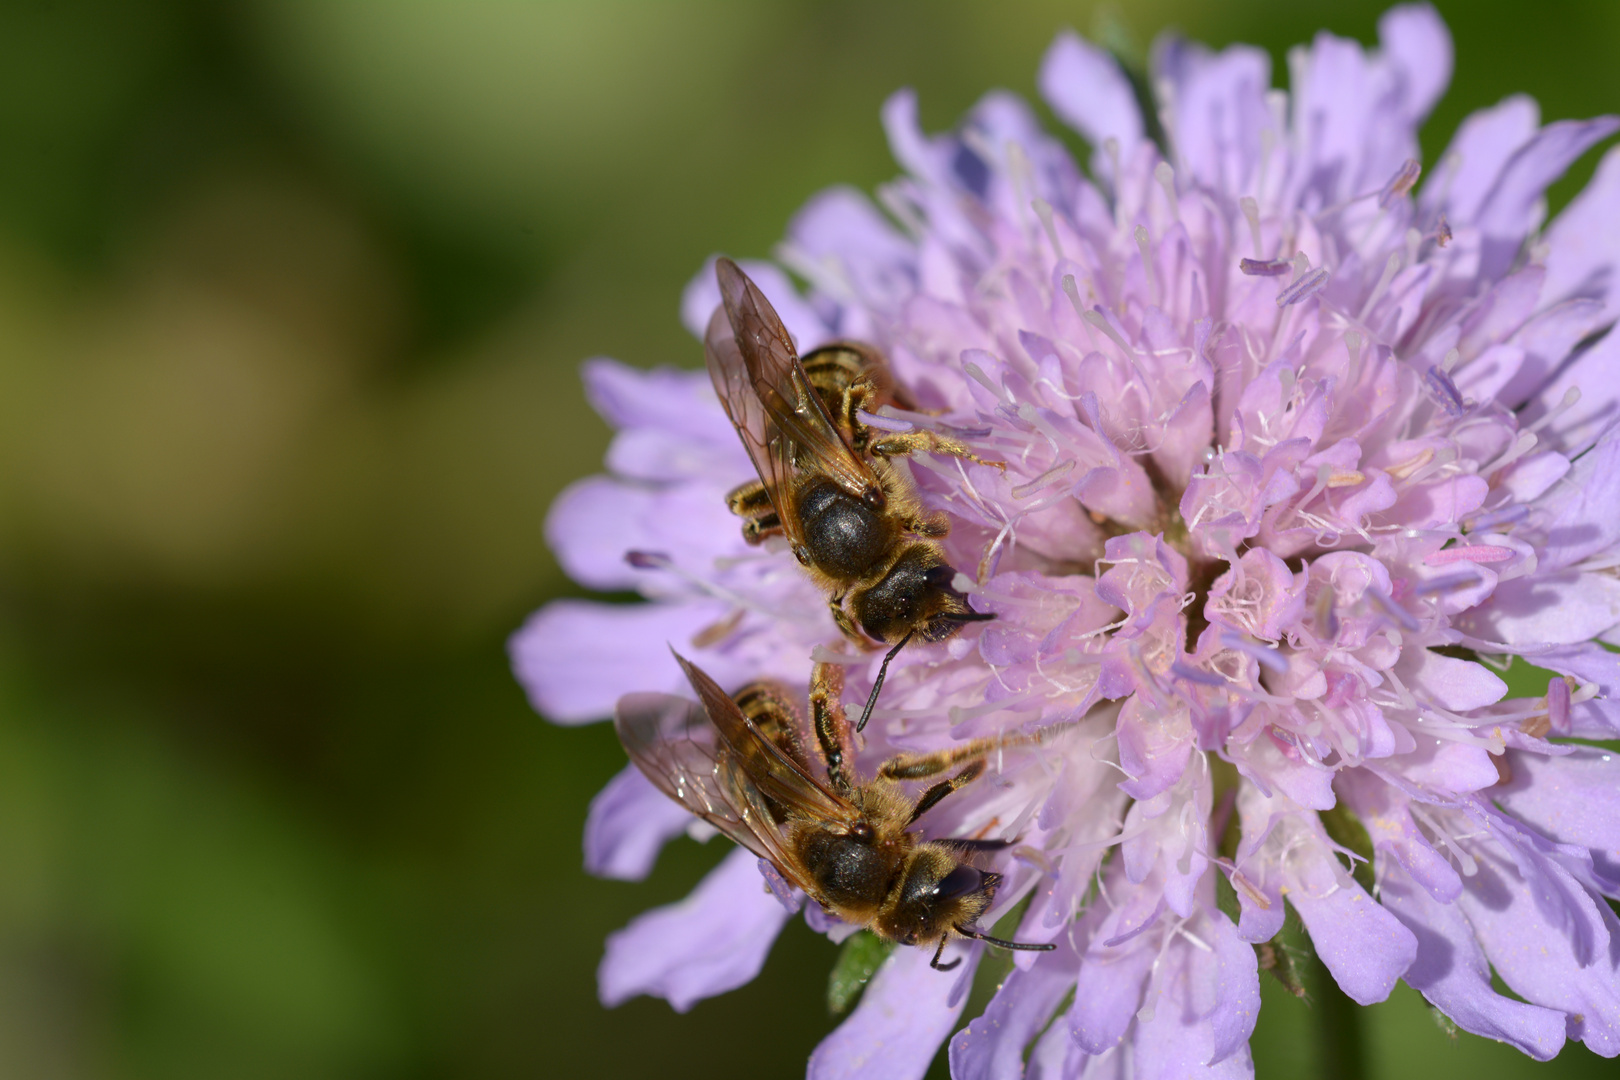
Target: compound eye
[[959, 882]]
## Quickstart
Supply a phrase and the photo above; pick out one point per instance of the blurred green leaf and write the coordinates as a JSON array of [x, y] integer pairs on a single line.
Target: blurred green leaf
[[863, 953]]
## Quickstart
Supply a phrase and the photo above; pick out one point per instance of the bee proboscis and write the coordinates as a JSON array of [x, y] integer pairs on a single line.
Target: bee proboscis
[[739, 764], [826, 482]]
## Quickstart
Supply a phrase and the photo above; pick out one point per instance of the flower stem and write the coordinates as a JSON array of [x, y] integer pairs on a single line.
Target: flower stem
[[1341, 1052]]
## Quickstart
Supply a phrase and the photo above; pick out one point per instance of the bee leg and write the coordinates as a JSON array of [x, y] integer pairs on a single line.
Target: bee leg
[[830, 723], [922, 766], [758, 530], [846, 625], [752, 503], [932, 442], [944, 788], [934, 526], [939, 952], [748, 500]]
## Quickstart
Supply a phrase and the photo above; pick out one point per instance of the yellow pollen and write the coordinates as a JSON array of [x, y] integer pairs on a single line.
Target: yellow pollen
[[1407, 468], [1345, 479]]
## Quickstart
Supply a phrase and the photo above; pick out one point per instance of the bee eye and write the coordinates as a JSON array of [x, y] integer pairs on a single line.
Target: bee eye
[[959, 882]]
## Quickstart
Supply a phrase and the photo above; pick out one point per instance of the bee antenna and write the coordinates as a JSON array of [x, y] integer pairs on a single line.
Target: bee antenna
[[971, 616], [1021, 946], [877, 687]]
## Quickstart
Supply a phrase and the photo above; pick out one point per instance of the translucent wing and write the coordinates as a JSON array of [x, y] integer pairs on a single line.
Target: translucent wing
[[794, 429], [675, 746], [772, 771], [771, 454], [716, 762]]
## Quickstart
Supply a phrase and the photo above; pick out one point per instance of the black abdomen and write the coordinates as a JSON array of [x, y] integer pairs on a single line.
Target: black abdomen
[[845, 537], [848, 872]]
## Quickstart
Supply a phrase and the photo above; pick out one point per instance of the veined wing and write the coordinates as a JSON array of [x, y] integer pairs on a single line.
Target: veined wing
[[771, 454], [674, 744], [769, 769], [791, 405]]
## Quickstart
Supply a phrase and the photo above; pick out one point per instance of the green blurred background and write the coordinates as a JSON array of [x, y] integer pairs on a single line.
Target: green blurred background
[[292, 298]]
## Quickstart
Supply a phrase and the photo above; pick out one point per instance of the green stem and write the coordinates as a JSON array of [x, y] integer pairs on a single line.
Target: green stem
[[1341, 1050]]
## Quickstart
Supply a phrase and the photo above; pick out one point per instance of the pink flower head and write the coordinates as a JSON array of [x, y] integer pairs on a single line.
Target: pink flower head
[[1302, 448]]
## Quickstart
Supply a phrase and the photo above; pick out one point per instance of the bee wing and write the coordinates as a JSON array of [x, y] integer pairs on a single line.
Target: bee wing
[[674, 744], [771, 454], [794, 420], [772, 771]]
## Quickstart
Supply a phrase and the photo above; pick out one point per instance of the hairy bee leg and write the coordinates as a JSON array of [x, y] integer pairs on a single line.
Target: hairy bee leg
[[922, 766], [752, 503], [932, 442], [944, 788], [939, 952], [758, 530], [846, 625], [749, 500], [831, 725]]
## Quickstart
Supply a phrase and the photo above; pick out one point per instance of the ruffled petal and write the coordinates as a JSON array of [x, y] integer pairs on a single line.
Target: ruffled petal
[[1545, 935], [713, 941], [575, 657], [663, 398], [1509, 211], [1086, 89], [1570, 799], [1583, 522], [1583, 242], [628, 824], [702, 296], [1416, 40], [1595, 375], [1451, 971], [1218, 109], [1562, 608], [992, 1047], [1364, 947], [905, 1013]]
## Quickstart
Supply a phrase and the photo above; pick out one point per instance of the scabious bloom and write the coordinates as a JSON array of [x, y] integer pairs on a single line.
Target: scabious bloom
[[1300, 454]]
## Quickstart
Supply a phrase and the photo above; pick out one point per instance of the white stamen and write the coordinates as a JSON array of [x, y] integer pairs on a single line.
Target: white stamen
[[1100, 321], [1251, 213], [1391, 266], [1352, 345], [1063, 468], [1414, 241], [1144, 245], [1449, 361], [1525, 443], [1043, 210], [1166, 176], [894, 200], [976, 373], [1571, 396]]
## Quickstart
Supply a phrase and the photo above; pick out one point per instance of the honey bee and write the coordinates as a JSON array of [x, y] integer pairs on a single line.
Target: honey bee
[[826, 482], [739, 764]]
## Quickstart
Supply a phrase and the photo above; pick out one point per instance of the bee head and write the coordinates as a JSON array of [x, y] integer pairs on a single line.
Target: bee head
[[915, 596], [936, 893]]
